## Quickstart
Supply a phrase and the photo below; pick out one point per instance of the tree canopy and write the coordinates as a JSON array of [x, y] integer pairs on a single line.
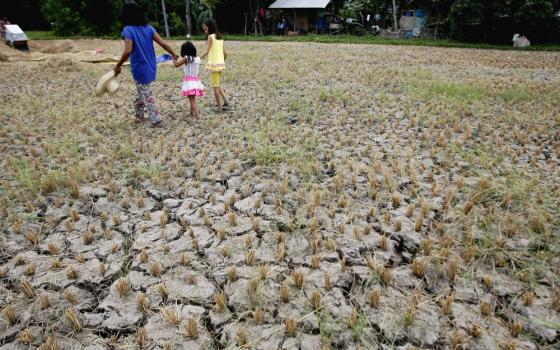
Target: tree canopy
[[461, 19]]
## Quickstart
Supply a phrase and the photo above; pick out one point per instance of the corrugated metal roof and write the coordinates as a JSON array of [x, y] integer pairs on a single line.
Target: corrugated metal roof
[[299, 4]]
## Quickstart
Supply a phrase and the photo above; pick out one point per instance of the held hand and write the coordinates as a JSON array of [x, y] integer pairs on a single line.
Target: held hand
[[117, 69]]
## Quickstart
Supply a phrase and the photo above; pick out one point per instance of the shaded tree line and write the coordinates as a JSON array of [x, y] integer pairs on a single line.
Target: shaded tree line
[[474, 20]]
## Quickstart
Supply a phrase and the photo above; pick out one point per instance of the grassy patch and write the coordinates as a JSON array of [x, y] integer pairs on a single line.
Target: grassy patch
[[429, 89], [517, 94]]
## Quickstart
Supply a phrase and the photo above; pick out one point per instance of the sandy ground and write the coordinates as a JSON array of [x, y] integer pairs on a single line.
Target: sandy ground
[[354, 197]]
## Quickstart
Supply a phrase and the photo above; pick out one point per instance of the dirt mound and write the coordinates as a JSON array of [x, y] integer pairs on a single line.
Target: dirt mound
[[52, 48], [64, 64], [9, 54]]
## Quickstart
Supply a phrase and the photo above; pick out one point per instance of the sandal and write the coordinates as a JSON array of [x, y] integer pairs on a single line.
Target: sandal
[[158, 124]]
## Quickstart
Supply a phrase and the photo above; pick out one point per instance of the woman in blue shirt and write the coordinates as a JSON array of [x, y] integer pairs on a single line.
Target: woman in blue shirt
[[138, 45]]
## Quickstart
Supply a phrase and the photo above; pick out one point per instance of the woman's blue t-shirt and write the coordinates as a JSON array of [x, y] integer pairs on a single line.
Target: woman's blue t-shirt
[[143, 56]]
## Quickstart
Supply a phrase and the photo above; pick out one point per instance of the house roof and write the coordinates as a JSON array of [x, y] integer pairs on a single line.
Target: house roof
[[300, 4]]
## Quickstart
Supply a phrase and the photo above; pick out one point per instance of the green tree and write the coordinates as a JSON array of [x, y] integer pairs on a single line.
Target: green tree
[[63, 15]]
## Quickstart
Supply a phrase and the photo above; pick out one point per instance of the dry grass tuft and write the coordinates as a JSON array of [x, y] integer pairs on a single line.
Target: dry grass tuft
[[185, 259], [419, 223], [25, 336], [250, 257], [141, 337], [314, 262], [143, 303], [123, 287], [528, 298], [81, 258], [331, 245], [258, 315], [328, 283], [71, 273], [53, 249], [155, 269], [384, 243], [74, 214], [488, 281], [452, 268], [447, 305], [516, 328], [44, 301], [486, 308], [242, 338], [316, 300], [556, 300], [373, 298], [50, 344], [33, 238], [263, 272], [88, 237], [298, 279], [72, 318], [290, 326], [163, 291], [143, 256], [232, 274], [171, 315], [386, 275], [10, 314], [284, 293], [232, 219], [70, 296], [418, 267], [220, 301], [474, 330], [27, 289], [191, 328]]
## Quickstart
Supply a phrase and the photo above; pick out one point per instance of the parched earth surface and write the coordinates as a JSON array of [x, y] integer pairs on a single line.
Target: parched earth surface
[[356, 197]]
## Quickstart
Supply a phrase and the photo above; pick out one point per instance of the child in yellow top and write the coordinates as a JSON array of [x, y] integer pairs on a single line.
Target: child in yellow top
[[217, 55]]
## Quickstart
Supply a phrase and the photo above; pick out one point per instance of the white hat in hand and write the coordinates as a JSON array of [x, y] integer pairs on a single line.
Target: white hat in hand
[[107, 83]]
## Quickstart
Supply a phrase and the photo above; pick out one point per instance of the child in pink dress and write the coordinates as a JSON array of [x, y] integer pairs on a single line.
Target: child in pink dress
[[192, 86]]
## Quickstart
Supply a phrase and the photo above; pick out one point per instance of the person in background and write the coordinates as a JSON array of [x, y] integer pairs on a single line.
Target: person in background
[[3, 22], [192, 87], [217, 55], [138, 45]]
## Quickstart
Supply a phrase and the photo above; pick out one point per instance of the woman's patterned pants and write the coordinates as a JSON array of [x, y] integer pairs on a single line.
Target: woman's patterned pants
[[145, 99]]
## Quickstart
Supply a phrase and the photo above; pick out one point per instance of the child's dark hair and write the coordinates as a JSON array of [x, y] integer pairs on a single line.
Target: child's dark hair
[[132, 14], [188, 50], [213, 29]]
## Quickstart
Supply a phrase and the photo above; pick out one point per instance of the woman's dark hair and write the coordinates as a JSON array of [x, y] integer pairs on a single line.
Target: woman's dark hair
[[132, 14], [188, 50], [212, 28]]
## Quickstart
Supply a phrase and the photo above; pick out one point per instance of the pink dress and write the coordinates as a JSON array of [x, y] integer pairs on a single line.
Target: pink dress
[[192, 86]]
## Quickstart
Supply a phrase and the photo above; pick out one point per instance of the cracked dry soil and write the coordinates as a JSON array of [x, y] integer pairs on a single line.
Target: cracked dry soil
[[356, 197]]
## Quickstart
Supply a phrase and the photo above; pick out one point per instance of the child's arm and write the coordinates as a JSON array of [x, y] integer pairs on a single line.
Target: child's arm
[[225, 53], [208, 46], [178, 62], [124, 57], [164, 45]]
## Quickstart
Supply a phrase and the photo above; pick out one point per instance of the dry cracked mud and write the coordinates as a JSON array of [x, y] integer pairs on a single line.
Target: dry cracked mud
[[354, 197]]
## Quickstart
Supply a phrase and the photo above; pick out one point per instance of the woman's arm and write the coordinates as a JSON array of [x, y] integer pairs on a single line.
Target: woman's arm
[[124, 57], [208, 46], [164, 45], [225, 53], [179, 61]]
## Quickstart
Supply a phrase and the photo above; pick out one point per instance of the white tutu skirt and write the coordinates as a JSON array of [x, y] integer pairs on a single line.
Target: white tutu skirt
[[192, 86]]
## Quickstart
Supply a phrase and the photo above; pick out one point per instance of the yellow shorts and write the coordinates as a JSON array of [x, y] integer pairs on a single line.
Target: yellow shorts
[[215, 79]]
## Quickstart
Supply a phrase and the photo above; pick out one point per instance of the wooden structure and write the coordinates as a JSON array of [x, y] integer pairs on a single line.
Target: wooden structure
[[305, 12]]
